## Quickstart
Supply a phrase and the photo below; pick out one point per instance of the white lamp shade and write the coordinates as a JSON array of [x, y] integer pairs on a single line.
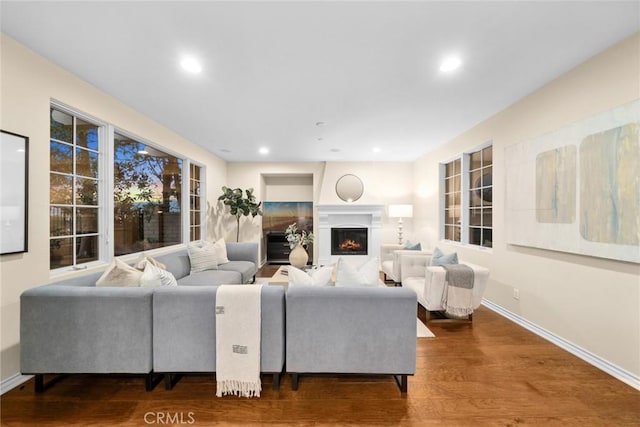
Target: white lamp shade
[[400, 211]]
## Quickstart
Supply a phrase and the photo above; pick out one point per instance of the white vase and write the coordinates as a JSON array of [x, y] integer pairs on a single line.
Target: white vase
[[298, 256]]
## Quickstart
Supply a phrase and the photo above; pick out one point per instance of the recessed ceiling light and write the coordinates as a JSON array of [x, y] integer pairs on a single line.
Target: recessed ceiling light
[[225, 150], [376, 149], [320, 123], [450, 63], [263, 150], [319, 139], [191, 64], [335, 150]]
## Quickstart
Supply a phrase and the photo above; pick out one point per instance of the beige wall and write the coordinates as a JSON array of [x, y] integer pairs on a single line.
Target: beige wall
[[593, 303], [29, 82]]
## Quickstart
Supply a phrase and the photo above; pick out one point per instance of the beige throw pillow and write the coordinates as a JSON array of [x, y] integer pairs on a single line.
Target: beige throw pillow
[[144, 259], [202, 259], [119, 274], [220, 249]]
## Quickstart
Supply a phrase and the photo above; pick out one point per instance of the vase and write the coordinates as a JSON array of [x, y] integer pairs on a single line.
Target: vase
[[298, 256]]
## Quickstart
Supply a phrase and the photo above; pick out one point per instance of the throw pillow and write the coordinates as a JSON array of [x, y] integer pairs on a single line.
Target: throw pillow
[[440, 258], [348, 274], [315, 277], [119, 273], [154, 276], [413, 246], [202, 258], [144, 259], [220, 248]]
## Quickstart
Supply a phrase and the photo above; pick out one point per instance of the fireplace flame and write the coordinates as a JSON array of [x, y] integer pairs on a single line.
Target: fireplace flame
[[351, 245]]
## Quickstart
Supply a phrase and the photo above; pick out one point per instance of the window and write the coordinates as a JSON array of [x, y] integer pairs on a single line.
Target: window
[[467, 192], [480, 197], [147, 193], [74, 208], [195, 202], [452, 193]]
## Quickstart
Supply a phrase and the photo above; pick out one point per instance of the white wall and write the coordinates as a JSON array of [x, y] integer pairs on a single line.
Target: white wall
[[384, 183], [28, 83], [590, 302]]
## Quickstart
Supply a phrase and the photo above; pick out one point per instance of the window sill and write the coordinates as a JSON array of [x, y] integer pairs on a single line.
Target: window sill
[[482, 249]]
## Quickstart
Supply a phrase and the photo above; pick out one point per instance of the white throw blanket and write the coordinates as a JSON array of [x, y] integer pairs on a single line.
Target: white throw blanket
[[238, 340]]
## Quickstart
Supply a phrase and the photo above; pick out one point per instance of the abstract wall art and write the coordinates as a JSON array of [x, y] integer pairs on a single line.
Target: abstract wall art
[[577, 189]]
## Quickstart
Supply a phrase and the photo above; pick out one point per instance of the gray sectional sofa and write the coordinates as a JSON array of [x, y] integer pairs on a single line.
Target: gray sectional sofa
[[72, 326]]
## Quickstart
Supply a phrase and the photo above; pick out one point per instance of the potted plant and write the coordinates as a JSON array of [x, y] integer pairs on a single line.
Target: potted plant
[[241, 203], [298, 240]]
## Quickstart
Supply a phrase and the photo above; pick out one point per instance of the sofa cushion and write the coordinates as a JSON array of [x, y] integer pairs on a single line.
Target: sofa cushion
[[247, 269], [119, 273], [211, 277], [177, 263], [350, 275]]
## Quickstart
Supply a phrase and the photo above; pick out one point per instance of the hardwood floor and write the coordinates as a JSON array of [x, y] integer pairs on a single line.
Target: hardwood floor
[[490, 373]]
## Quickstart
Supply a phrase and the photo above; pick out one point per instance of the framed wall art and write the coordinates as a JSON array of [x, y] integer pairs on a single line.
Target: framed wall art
[[14, 176]]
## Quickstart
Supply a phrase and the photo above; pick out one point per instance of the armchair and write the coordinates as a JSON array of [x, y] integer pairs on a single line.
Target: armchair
[[429, 282], [390, 260]]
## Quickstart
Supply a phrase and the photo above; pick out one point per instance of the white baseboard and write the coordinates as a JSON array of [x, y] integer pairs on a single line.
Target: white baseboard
[[13, 381], [597, 361]]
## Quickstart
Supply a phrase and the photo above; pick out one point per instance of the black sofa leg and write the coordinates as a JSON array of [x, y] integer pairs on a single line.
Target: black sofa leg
[[41, 386], [401, 380], [294, 381], [170, 380], [152, 380], [276, 381]]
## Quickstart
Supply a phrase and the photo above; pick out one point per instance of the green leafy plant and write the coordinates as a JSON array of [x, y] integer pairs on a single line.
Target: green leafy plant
[[296, 237], [241, 203]]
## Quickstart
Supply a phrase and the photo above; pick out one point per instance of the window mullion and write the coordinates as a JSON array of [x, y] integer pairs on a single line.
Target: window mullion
[[464, 199]]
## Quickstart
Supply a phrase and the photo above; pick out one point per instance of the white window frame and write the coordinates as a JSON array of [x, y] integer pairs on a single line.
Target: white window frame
[[106, 169], [103, 254], [186, 232], [465, 158]]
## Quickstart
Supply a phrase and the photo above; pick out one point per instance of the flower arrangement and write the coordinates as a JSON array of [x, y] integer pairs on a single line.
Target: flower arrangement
[[296, 237]]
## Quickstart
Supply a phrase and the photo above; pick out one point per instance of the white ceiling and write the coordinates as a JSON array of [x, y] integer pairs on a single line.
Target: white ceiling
[[369, 70]]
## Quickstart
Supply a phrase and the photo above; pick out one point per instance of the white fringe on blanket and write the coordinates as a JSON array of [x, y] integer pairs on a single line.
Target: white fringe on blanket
[[238, 340], [239, 388]]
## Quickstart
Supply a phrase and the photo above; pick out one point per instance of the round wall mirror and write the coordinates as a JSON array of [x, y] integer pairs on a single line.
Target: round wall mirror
[[349, 188]]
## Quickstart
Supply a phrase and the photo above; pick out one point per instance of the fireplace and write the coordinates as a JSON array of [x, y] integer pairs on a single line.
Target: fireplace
[[349, 241]]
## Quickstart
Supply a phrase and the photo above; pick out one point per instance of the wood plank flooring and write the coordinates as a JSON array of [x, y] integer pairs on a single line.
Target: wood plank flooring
[[492, 373]]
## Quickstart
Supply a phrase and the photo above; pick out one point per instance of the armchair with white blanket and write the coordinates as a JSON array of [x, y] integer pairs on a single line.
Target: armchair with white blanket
[[390, 260], [430, 284]]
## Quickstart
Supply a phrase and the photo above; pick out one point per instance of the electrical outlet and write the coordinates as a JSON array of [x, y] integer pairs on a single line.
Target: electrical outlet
[[516, 293]]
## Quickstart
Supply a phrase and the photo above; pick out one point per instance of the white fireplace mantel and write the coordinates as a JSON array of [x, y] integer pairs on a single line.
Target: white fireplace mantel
[[345, 216]]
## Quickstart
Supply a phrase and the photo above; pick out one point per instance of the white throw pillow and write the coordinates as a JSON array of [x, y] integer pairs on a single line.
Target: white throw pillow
[[348, 274], [119, 273], [220, 248], [315, 277], [154, 276], [202, 258]]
